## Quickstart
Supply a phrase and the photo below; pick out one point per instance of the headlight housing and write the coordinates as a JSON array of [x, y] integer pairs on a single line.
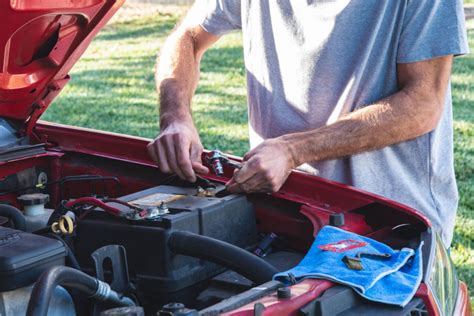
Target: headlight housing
[[444, 281]]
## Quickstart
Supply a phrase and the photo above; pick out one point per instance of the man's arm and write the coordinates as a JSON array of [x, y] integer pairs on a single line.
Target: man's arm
[[178, 148], [413, 111]]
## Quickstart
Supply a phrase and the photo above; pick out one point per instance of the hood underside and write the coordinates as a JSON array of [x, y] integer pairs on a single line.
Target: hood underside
[[40, 40]]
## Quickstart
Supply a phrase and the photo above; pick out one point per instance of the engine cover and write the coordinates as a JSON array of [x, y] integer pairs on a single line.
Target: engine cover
[[157, 271]]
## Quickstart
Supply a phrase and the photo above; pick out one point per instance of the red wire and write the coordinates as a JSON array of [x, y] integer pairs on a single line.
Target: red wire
[[95, 202], [141, 212]]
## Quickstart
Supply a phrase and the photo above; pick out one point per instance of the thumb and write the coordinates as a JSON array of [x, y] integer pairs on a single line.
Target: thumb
[[232, 180], [196, 160], [249, 155], [199, 167]]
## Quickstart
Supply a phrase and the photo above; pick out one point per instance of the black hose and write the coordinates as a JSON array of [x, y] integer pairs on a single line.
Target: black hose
[[71, 258], [14, 215], [73, 279], [227, 255], [50, 279]]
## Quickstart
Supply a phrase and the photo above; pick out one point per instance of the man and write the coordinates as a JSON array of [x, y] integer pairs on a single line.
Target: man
[[356, 91]]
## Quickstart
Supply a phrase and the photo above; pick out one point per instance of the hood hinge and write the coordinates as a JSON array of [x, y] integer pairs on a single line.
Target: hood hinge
[[40, 106]]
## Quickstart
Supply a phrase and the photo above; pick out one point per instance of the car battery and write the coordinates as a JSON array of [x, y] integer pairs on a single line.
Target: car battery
[[151, 264]]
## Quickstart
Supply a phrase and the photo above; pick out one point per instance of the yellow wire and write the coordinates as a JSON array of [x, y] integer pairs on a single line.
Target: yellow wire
[[64, 225], [54, 228], [66, 229]]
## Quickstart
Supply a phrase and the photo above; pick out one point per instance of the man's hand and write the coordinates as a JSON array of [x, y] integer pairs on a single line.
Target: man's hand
[[264, 169], [178, 149]]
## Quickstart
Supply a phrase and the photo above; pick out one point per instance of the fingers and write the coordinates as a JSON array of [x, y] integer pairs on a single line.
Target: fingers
[[263, 171], [162, 159], [255, 184], [196, 161], [157, 153], [246, 172], [233, 186], [151, 151], [248, 179], [250, 154], [171, 156], [183, 159], [199, 167], [176, 153]]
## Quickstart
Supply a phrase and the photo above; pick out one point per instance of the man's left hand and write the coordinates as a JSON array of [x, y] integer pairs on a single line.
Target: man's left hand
[[264, 169]]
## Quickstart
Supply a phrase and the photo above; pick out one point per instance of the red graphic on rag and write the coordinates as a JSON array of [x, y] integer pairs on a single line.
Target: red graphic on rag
[[343, 245]]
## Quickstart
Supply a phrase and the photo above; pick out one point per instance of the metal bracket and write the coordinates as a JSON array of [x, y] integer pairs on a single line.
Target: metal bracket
[[118, 257]]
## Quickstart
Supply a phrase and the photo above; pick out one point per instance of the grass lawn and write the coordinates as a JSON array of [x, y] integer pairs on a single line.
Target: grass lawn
[[112, 89]]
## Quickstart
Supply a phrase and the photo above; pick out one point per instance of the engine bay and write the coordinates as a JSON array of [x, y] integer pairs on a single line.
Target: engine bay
[[160, 273], [171, 247]]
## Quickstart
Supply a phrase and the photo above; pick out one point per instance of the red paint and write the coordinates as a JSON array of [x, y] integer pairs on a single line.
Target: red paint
[[319, 217], [302, 294], [463, 305], [425, 294], [40, 41]]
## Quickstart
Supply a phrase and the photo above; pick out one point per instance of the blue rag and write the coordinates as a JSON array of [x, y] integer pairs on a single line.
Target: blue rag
[[392, 281]]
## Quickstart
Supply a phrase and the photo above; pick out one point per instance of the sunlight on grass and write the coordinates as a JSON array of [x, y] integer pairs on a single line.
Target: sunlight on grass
[[463, 96]]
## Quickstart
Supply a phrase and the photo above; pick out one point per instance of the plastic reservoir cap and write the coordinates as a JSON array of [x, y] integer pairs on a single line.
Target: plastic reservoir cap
[[33, 199], [34, 203]]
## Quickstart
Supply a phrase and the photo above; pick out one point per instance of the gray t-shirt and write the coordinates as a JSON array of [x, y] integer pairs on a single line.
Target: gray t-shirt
[[309, 62]]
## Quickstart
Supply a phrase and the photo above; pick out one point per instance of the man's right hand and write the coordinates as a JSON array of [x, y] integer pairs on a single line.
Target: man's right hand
[[178, 149]]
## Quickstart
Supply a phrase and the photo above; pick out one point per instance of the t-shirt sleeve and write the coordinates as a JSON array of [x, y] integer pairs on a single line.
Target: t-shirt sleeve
[[219, 16], [432, 28]]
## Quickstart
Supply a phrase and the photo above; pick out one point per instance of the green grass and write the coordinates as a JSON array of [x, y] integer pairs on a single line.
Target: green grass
[[112, 89], [463, 97]]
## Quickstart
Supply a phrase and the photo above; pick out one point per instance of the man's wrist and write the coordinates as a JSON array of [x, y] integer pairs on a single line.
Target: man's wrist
[[292, 144], [301, 147], [167, 119]]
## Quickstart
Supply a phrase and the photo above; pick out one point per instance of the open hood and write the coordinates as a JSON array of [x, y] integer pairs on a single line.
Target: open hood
[[40, 40]]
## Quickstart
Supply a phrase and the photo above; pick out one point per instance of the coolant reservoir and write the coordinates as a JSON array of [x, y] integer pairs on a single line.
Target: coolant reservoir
[[33, 207]]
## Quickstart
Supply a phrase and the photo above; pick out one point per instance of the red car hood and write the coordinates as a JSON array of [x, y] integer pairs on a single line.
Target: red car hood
[[40, 40]]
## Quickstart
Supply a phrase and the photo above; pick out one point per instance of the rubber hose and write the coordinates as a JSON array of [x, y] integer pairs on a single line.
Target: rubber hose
[[71, 258], [72, 279], [15, 215], [222, 253]]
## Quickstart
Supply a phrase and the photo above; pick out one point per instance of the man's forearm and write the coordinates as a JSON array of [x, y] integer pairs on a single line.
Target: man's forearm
[[405, 115], [176, 77], [392, 120]]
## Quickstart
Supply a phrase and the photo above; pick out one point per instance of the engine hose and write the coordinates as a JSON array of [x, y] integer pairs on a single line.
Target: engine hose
[[71, 258], [222, 253], [15, 215], [72, 279]]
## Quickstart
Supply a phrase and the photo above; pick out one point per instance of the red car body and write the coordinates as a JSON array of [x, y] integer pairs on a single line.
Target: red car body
[[40, 40]]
